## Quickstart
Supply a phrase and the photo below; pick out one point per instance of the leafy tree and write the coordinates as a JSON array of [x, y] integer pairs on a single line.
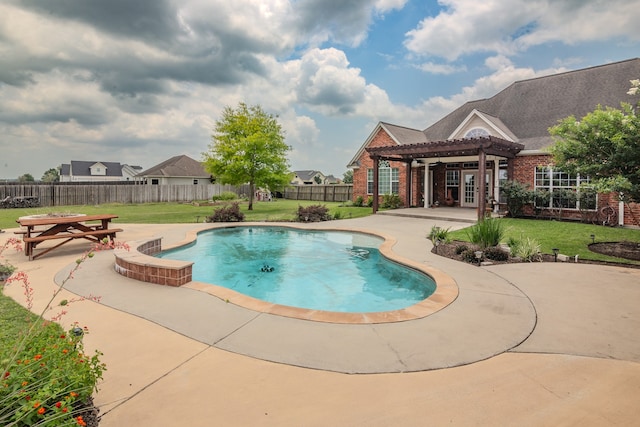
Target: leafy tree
[[248, 147], [52, 175], [347, 177], [317, 179], [27, 177], [604, 145]]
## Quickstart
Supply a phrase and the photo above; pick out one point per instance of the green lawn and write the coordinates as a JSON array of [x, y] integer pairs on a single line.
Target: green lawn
[[569, 237], [172, 213]]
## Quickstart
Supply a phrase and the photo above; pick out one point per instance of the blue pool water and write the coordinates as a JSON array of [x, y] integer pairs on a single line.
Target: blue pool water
[[321, 270]]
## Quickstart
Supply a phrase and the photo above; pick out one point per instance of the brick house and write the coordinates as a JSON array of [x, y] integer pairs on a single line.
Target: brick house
[[486, 142]]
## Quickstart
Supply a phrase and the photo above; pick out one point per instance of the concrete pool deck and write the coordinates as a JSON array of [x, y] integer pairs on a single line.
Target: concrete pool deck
[[523, 344]]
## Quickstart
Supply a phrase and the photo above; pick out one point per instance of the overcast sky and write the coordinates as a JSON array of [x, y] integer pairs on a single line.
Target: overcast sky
[[137, 82]]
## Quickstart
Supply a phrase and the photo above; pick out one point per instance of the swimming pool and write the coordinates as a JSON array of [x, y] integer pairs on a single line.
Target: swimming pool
[[312, 269]]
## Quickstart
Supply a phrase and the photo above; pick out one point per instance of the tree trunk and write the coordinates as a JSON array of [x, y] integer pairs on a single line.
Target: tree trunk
[[252, 190]]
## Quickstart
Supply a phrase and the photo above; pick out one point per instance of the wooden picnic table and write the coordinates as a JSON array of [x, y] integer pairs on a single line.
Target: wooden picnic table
[[67, 228]]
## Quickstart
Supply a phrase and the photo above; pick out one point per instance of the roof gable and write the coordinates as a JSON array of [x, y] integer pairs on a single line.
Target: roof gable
[[476, 118], [398, 134], [83, 168]]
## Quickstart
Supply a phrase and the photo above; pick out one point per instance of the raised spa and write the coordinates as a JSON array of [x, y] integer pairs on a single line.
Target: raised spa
[[321, 270]]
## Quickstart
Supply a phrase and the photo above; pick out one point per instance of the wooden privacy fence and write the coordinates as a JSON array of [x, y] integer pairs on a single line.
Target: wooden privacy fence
[[322, 193], [67, 194], [95, 194]]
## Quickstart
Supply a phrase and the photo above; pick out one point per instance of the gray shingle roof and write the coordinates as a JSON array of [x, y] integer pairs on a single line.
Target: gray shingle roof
[[405, 135], [528, 108], [82, 168], [177, 166]]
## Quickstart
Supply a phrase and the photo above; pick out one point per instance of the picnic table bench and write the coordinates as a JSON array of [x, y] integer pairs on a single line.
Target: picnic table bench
[[65, 228]]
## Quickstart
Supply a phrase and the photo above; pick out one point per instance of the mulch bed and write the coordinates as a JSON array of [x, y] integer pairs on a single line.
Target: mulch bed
[[628, 250]]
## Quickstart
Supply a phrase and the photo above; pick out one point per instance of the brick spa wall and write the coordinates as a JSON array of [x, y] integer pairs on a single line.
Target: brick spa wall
[[139, 264]]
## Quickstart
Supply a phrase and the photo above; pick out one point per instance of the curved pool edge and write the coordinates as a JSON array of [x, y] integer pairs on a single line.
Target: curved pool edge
[[445, 293]]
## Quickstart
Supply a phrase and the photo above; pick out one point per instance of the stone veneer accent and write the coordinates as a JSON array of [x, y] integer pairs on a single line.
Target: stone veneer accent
[[139, 264]]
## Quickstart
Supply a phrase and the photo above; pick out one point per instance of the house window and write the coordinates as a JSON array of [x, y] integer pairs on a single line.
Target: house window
[[476, 133], [503, 177], [453, 184], [567, 191], [388, 179], [155, 181], [195, 182]]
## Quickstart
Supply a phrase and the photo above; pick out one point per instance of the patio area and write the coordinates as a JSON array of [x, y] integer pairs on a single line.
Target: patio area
[[523, 344]]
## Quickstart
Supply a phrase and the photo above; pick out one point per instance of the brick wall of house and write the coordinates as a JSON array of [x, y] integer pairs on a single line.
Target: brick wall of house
[[524, 172], [417, 190], [632, 214], [381, 139], [524, 168]]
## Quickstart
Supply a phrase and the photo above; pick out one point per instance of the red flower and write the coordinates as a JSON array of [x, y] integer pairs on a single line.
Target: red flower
[[63, 336], [58, 404], [37, 357], [65, 351], [64, 410], [37, 404], [41, 410], [80, 421], [6, 374]]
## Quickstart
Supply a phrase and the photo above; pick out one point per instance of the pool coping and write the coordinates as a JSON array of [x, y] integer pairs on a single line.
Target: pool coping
[[142, 266]]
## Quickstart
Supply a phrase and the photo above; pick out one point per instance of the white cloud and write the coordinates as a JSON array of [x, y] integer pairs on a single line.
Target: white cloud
[[433, 68], [388, 5], [498, 26], [504, 73]]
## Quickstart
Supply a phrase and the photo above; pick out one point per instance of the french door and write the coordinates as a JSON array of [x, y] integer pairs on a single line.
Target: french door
[[470, 184]]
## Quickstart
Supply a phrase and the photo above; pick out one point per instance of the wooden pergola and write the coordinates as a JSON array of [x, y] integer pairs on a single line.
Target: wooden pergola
[[407, 153]]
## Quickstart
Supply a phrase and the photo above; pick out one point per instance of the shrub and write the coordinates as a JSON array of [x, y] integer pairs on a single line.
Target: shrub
[[486, 233], [50, 380], [527, 249], [588, 198], [337, 215], [517, 196], [313, 213], [461, 248], [227, 195], [469, 255], [359, 201], [391, 201], [496, 254], [370, 201], [541, 198], [228, 213], [438, 233]]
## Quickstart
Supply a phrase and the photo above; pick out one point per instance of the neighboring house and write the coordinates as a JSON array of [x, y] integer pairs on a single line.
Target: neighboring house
[[487, 141], [308, 178], [83, 171], [330, 179], [178, 170]]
